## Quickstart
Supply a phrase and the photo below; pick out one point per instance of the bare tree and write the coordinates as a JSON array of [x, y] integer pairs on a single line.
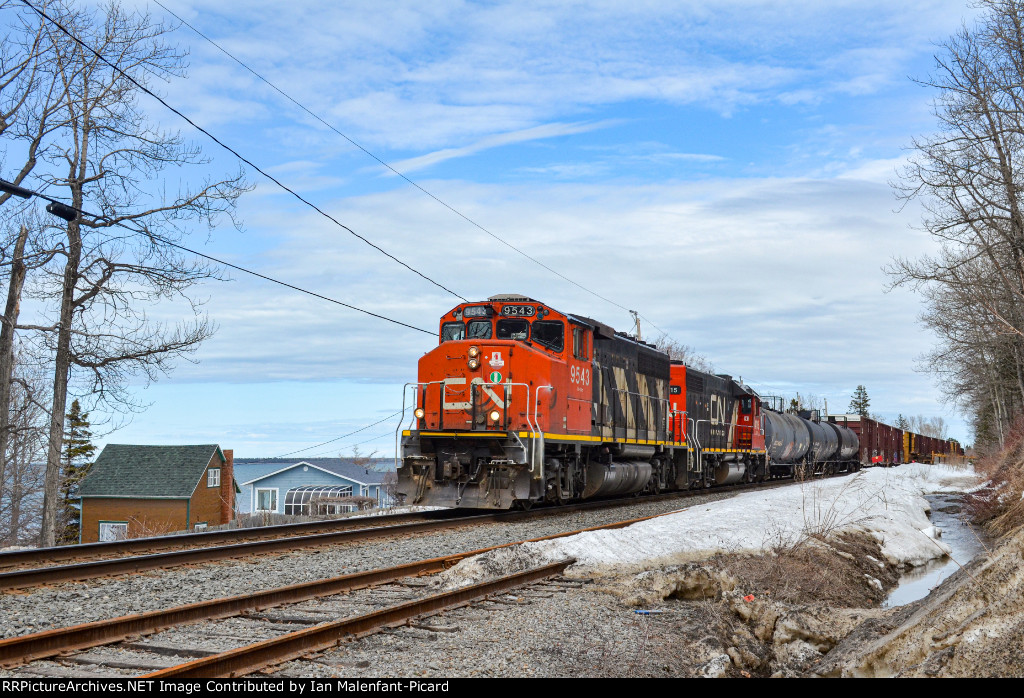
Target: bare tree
[[105, 158], [20, 507], [678, 351], [968, 178], [28, 115]]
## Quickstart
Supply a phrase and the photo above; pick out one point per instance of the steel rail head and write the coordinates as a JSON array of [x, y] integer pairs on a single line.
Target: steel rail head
[[135, 545], [24, 648], [244, 660], [19, 579]]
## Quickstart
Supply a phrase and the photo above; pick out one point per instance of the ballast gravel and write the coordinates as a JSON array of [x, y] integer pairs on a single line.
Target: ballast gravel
[[37, 609]]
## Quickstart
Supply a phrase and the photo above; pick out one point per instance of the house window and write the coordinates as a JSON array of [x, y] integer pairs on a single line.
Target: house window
[[266, 499], [213, 477], [318, 500], [113, 530]]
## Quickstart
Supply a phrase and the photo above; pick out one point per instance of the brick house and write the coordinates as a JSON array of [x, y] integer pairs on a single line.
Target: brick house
[[136, 491]]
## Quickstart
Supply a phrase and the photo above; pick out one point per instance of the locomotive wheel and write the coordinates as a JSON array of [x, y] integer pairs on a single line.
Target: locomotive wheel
[[522, 504]]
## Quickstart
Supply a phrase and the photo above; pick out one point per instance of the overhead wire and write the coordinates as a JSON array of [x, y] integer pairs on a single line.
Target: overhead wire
[[345, 436], [308, 203], [169, 243], [327, 454], [234, 152], [395, 171]]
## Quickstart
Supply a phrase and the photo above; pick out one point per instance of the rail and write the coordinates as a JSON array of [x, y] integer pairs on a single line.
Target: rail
[[244, 660]]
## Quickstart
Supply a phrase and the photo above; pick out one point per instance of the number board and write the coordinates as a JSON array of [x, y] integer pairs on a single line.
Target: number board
[[518, 310]]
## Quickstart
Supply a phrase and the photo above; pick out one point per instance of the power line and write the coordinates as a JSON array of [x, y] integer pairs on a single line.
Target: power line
[[392, 169], [371, 439], [62, 210], [310, 448], [235, 152], [282, 283], [310, 204]]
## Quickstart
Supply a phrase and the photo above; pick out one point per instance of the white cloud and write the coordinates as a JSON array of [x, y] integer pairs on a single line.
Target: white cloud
[[496, 141], [758, 238], [410, 75]]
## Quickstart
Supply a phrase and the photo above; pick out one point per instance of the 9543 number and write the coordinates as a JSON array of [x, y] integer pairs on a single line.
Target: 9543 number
[[518, 310], [579, 375]]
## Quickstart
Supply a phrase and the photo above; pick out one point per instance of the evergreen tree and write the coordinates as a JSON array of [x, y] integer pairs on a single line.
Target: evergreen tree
[[75, 463], [860, 402], [902, 423]]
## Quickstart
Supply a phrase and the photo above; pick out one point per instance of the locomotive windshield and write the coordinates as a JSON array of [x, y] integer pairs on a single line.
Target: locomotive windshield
[[549, 334], [513, 329], [451, 331], [479, 329]]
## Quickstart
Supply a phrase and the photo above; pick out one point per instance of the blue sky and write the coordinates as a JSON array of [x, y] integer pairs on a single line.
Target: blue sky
[[722, 167]]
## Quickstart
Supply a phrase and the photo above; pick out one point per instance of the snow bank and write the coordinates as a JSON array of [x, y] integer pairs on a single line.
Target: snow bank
[[888, 503]]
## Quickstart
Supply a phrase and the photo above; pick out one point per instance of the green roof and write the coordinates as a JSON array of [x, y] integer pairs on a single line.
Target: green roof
[[148, 471]]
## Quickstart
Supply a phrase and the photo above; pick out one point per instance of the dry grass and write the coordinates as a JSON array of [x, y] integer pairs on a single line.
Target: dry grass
[[144, 527], [1000, 505], [816, 570]]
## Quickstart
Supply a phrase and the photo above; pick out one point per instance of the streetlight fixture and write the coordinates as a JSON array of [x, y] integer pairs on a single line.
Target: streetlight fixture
[[56, 208], [62, 211]]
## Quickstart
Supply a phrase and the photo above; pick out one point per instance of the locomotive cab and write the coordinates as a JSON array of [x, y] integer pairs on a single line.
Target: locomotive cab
[[504, 374]]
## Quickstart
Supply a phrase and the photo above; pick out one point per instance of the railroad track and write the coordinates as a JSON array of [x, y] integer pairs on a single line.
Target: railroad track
[[258, 615], [274, 539], [142, 546]]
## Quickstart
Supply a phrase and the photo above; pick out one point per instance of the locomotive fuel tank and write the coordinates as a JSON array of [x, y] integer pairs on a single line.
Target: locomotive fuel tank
[[729, 472], [619, 477], [785, 436]]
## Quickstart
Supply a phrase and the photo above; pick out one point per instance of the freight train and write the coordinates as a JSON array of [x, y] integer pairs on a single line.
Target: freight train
[[521, 404]]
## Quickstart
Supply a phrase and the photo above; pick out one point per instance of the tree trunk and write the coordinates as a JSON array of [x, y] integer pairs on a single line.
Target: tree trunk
[[16, 495], [62, 367], [10, 320]]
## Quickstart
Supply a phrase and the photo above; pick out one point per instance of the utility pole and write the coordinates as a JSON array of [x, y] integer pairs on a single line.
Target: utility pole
[[636, 319]]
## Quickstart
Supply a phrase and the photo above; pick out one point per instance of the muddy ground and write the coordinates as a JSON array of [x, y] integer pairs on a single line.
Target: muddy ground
[[814, 610]]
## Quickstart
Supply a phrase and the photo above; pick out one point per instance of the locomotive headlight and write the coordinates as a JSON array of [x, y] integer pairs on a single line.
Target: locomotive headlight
[[474, 352], [474, 364], [419, 413], [495, 415]]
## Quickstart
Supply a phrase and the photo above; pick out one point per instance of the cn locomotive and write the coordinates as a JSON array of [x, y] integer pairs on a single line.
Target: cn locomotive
[[521, 404]]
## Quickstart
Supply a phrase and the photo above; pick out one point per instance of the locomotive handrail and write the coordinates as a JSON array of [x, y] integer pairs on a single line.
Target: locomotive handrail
[[533, 424], [398, 429], [445, 384], [672, 422], [696, 438], [536, 415], [504, 409]]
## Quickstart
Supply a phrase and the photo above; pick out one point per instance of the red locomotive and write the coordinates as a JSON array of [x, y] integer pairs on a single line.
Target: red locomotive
[[521, 404]]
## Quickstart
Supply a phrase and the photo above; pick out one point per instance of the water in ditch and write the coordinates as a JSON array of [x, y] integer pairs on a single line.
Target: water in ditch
[[966, 540]]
